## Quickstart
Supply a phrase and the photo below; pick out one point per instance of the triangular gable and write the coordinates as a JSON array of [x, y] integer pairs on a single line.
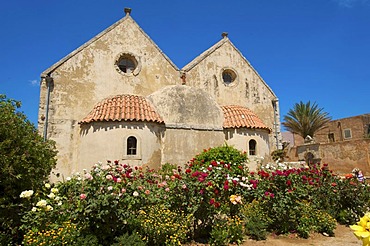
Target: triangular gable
[[216, 46], [97, 37]]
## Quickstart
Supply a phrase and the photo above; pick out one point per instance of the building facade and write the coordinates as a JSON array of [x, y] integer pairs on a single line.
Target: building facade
[[119, 97], [343, 143]]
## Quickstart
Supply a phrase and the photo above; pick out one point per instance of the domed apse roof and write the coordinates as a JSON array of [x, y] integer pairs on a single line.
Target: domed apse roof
[[123, 108], [181, 105], [238, 116]]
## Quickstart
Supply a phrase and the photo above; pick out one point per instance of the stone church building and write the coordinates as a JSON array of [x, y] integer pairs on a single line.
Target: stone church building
[[119, 97]]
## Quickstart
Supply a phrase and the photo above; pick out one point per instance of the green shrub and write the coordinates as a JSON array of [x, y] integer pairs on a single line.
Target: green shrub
[[213, 177], [226, 154], [53, 235], [159, 225], [25, 162], [256, 220], [132, 239], [202, 202], [325, 223], [227, 230]]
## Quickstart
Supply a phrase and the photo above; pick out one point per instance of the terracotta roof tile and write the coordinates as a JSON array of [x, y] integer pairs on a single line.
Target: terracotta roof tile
[[238, 116], [123, 108]]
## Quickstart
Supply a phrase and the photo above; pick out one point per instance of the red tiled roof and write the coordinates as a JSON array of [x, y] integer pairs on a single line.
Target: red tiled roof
[[238, 116], [123, 108]]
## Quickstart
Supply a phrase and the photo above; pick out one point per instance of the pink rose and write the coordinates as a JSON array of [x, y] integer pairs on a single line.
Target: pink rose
[[88, 176], [83, 196]]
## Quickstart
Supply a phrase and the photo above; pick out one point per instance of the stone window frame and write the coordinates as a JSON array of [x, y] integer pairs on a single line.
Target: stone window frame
[[252, 151], [347, 133], [134, 59], [234, 75], [128, 156]]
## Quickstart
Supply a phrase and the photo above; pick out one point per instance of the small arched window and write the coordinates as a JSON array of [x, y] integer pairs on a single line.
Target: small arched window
[[252, 147], [131, 145]]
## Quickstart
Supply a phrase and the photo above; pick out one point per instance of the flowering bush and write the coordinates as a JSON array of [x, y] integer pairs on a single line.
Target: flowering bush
[[26, 160], [105, 201], [214, 197], [47, 206], [64, 234], [284, 190], [216, 179], [227, 230], [159, 225], [256, 220]]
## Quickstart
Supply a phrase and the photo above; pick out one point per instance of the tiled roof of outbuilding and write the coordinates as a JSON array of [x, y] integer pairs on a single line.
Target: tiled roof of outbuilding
[[238, 116], [123, 108]]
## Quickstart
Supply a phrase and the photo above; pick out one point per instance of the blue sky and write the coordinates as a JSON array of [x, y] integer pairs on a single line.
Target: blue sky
[[317, 50]]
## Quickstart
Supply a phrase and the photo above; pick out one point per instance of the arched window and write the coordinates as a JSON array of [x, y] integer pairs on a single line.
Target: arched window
[[131, 145], [252, 147]]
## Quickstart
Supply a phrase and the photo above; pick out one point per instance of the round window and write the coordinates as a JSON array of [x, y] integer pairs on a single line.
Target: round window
[[228, 76], [126, 63]]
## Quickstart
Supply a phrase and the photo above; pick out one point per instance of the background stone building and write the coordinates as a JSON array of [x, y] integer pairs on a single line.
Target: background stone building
[[119, 97], [343, 143]]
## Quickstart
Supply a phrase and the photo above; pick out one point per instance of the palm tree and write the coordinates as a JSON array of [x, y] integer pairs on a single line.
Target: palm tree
[[305, 119]]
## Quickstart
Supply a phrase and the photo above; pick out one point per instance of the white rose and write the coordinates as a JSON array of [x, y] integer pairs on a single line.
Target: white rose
[[41, 203], [51, 195], [26, 194]]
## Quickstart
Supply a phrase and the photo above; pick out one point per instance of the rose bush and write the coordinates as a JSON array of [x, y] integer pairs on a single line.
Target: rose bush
[[213, 198]]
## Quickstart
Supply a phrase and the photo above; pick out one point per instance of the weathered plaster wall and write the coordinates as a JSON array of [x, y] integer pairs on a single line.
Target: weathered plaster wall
[[193, 122], [101, 141], [345, 156], [90, 75], [358, 125], [239, 138], [181, 145], [342, 157], [247, 90], [182, 106]]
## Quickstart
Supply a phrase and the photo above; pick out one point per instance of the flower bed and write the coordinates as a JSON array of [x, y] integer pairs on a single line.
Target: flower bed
[[213, 199]]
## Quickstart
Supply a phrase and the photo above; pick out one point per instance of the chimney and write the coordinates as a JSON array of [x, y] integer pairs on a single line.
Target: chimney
[[128, 11]]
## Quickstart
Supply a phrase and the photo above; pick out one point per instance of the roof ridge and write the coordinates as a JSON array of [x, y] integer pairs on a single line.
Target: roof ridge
[[212, 49], [204, 54]]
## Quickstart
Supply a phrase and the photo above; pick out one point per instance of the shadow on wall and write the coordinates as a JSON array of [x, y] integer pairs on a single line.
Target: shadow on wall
[[156, 129]]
